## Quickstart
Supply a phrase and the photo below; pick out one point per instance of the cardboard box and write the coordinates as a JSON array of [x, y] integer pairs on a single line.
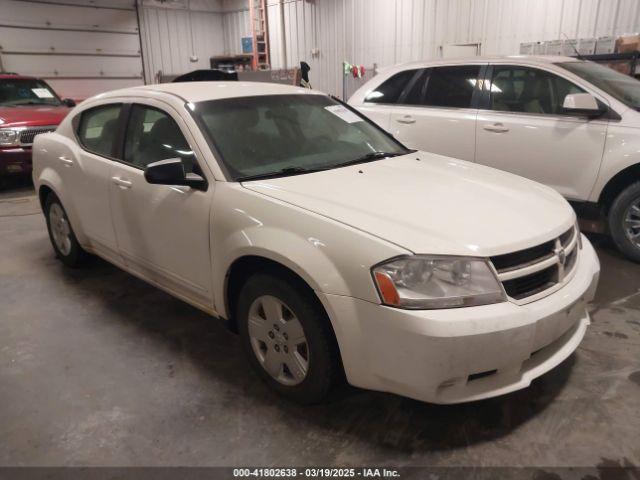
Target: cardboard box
[[554, 47], [587, 46], [539, 48], [628, 43], [570, 47], [526, 48], [605, 45]]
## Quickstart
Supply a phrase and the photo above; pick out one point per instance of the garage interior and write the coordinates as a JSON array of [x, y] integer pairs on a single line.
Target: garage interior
[[98, 368]]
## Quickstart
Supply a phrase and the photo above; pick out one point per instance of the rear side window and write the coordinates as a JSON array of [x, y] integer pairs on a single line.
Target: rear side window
[[390, 90], [528, 90], [98, 128], [152, 135], [452, 86], [416, 90]]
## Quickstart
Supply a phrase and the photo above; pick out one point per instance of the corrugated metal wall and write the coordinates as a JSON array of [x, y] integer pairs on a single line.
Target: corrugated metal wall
[[236, 24], [392, 31], [172, 32]]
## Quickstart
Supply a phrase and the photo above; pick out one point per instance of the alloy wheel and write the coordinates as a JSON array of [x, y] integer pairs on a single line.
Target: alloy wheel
[[60, 230], [632, 223], [278, 340]]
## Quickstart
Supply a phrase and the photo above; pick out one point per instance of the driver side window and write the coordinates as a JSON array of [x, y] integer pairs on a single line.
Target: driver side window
[[152, 135], [528, 90]]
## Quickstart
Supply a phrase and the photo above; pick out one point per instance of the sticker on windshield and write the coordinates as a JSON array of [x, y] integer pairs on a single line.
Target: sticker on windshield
[[42, 93], [344, 113]]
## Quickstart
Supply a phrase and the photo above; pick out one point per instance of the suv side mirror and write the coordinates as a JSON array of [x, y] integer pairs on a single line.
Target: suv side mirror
[[69, 102], [171, 172], [582, 104]]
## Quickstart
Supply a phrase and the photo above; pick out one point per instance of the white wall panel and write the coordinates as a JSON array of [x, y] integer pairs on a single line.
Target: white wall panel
[[172, 33], [80, 49], [236, 24]]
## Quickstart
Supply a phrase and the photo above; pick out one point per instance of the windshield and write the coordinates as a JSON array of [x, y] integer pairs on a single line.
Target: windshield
[[26, 91], [274, 135], [622, 87]]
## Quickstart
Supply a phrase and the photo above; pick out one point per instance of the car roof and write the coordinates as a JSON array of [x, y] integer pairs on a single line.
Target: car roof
[[15, 76], [528, 59], [202, 91]]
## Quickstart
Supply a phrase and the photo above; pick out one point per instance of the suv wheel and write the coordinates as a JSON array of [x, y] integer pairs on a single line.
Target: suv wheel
[[287, 338], [61, 234], [624, 221]]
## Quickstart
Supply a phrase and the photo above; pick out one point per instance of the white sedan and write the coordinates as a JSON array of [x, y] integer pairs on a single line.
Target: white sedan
[[328, 245]]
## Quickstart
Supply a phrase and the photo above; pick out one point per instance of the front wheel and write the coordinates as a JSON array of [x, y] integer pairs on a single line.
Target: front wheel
[[624, 221], [287, 338], [64, 241]]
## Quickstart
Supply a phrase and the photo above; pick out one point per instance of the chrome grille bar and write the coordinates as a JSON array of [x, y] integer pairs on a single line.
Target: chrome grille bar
[[28, 134], [528, 274]]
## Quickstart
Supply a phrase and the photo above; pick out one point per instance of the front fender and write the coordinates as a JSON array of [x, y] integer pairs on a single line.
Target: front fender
[[622, 150], [331, 257]]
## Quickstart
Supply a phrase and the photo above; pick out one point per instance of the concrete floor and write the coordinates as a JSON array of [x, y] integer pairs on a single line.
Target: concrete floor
[[99, 368]]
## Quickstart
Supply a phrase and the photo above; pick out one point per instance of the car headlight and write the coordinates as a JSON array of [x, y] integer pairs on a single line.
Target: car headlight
[[427, 282], [9, 137]]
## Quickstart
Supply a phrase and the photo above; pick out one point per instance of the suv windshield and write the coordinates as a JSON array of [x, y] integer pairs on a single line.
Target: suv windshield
[[277, 135], [622, 87], [26, 91]]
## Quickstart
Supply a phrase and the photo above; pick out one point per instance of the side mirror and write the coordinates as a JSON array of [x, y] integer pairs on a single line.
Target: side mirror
[[171, 172], [69, 102], [582, 104]]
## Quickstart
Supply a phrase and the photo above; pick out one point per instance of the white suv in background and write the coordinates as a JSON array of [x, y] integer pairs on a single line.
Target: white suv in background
[[570, 124]]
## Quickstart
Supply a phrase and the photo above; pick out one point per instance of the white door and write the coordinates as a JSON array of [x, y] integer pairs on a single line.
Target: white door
[[88, 175], [381, 102], [436, 113], [524, 131], [162, 231]]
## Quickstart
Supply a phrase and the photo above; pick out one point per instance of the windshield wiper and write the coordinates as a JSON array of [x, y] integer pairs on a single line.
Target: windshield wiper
[[371, 156], [284, 172]]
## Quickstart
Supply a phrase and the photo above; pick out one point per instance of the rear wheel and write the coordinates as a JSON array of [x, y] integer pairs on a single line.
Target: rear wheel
[[64, 241], [624, 221], [287, 338]]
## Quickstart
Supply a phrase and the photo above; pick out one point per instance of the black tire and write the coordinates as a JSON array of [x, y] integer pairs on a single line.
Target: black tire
[[323, 356], [76, 255], [617, 213]]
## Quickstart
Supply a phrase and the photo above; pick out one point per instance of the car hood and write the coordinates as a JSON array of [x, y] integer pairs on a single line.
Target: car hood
[[32, 115], [435, 205]]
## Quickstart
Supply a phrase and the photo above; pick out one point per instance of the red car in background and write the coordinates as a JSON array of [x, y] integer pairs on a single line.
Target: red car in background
[[28, 106]]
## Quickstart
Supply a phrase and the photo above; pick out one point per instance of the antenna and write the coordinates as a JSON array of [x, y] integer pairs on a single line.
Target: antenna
[[574, 47]]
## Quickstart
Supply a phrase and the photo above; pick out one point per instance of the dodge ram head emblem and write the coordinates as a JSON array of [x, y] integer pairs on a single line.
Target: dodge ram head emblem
[[562, 256]]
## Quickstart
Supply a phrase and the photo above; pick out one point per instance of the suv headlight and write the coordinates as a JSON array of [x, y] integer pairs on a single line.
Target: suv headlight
[[427, 282], [9, 137]]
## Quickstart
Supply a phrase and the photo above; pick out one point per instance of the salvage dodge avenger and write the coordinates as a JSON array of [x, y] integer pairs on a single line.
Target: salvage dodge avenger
[[328, 245]]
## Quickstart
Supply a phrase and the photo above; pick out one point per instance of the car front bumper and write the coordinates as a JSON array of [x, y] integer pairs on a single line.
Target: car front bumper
[[15, 161], [464, 354]]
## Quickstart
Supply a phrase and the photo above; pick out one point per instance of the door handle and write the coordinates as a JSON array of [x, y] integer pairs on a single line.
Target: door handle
[[121, 182], [67, 162], [495, 127], [407, 119]]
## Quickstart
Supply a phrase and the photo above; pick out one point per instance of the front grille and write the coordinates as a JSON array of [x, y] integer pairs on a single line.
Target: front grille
[[528, 285], [526, 273], [28, 134], [510, 261]]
